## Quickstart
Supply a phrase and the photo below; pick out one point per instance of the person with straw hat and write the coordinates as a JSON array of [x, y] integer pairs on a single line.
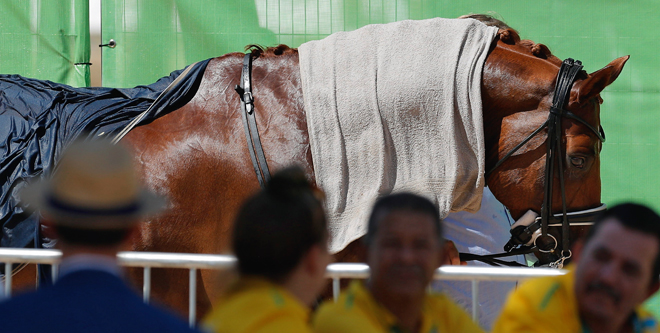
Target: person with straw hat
[[93, 205]]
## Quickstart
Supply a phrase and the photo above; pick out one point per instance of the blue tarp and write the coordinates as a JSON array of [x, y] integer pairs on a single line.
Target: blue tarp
[[39, 118]]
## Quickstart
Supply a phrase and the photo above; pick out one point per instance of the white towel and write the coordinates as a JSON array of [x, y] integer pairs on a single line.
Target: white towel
[[396, 107]]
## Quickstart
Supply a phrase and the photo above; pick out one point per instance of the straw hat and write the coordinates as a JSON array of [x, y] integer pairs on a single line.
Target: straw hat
[[95, 186]]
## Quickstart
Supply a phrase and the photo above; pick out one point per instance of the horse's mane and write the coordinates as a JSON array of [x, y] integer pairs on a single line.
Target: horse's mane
[[541, 51], [511, 36], [507, 34], [259, 51]]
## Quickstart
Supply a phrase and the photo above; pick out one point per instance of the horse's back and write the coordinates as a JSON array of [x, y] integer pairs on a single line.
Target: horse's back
[[198, 154]]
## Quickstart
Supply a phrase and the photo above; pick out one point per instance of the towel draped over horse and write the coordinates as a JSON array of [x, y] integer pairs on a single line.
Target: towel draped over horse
[[387, 112]]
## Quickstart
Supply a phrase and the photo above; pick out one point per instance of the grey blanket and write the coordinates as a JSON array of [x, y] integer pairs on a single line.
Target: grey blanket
[[396, 107]]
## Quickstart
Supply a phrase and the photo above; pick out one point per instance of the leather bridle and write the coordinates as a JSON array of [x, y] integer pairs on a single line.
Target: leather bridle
[[526, 234]]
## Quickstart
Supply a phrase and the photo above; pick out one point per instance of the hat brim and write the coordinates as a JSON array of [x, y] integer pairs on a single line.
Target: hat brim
[[37, 196]]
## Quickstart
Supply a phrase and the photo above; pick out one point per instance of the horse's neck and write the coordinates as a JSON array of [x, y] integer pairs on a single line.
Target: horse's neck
[[517, 85]]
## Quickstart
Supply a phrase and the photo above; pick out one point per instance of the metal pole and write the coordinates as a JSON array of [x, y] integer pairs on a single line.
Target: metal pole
[[475, 300], [55, 270], [192, 297], [8, 280], [146, 284], [335, 288]]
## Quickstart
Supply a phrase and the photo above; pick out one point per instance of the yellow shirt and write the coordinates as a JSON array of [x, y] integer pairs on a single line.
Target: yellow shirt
[[257, 305], [357, 311], [549, 305]]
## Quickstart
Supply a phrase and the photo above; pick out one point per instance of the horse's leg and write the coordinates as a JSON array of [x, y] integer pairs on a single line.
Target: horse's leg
[[355, 251], [198, 157], [24, 279]]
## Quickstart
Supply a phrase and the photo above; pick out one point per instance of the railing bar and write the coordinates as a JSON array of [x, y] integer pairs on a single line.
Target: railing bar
[[475, 300], [55, 272], [192, 297], [146, 284], [8, 280], [37, 279], [335, 288]]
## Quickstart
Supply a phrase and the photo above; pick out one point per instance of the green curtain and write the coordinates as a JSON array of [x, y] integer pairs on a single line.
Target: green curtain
[[156, 37], [47, 39]]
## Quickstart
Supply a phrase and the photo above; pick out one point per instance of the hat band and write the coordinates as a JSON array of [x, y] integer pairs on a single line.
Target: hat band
[[131, 208]]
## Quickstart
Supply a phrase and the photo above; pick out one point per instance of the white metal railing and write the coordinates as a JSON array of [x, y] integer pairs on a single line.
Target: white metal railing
[[193, 262]]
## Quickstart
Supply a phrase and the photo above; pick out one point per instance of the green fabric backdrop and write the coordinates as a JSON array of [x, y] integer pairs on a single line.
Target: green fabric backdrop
[[45, 39], [155, 37]]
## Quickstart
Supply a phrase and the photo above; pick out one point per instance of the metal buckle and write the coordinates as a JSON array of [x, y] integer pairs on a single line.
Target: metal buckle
[[559, 264], [247, 97]]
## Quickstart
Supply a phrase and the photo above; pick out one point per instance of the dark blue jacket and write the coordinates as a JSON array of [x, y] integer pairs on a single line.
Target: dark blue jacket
[[85, 301]]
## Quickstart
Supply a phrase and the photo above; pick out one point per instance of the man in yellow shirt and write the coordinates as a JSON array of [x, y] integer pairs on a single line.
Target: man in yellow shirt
[[280, 240], [616, 268], [404, 248]]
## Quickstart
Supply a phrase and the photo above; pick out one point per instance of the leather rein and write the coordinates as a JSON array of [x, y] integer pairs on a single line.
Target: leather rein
[[532, 234]]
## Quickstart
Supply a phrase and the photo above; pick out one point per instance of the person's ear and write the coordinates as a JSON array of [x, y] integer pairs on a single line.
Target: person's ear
[[449, 254], [313, 261]]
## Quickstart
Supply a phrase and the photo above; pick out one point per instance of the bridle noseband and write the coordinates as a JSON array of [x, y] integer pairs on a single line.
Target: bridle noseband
[[521, 234]]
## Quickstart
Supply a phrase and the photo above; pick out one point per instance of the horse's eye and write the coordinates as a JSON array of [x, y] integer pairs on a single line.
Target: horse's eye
[[578, 162]]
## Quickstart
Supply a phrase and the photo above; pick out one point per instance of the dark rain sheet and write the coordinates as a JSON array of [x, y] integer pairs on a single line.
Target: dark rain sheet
[[39, 118]]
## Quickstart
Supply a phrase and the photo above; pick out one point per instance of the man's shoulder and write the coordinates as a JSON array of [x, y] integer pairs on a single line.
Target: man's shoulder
[[444, 314], [345, 304], [355, 299], [89, 307], [538, 303], [645, 321], [261, 299], [541, 291], [258, 307], [22, 304], [353, 311]]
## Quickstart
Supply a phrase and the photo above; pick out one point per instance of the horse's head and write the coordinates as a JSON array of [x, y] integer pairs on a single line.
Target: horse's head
[[518, 84]]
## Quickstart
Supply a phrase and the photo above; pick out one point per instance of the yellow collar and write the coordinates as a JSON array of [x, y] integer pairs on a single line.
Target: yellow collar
[[358, 293]]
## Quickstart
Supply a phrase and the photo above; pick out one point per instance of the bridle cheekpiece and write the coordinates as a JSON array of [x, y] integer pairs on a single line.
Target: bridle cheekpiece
[[531, 230]]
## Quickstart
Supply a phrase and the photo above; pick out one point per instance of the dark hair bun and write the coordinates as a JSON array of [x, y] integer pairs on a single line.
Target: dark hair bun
[[289, 182], [278, 225]]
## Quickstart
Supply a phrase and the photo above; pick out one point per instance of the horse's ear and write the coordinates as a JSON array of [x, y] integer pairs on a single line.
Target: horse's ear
[[598, 80]]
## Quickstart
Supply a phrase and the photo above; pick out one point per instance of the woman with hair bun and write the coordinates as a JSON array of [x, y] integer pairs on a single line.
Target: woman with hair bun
[[280, 240]]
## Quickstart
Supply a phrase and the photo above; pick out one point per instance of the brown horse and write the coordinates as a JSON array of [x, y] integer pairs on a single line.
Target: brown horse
[[198, 156]]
